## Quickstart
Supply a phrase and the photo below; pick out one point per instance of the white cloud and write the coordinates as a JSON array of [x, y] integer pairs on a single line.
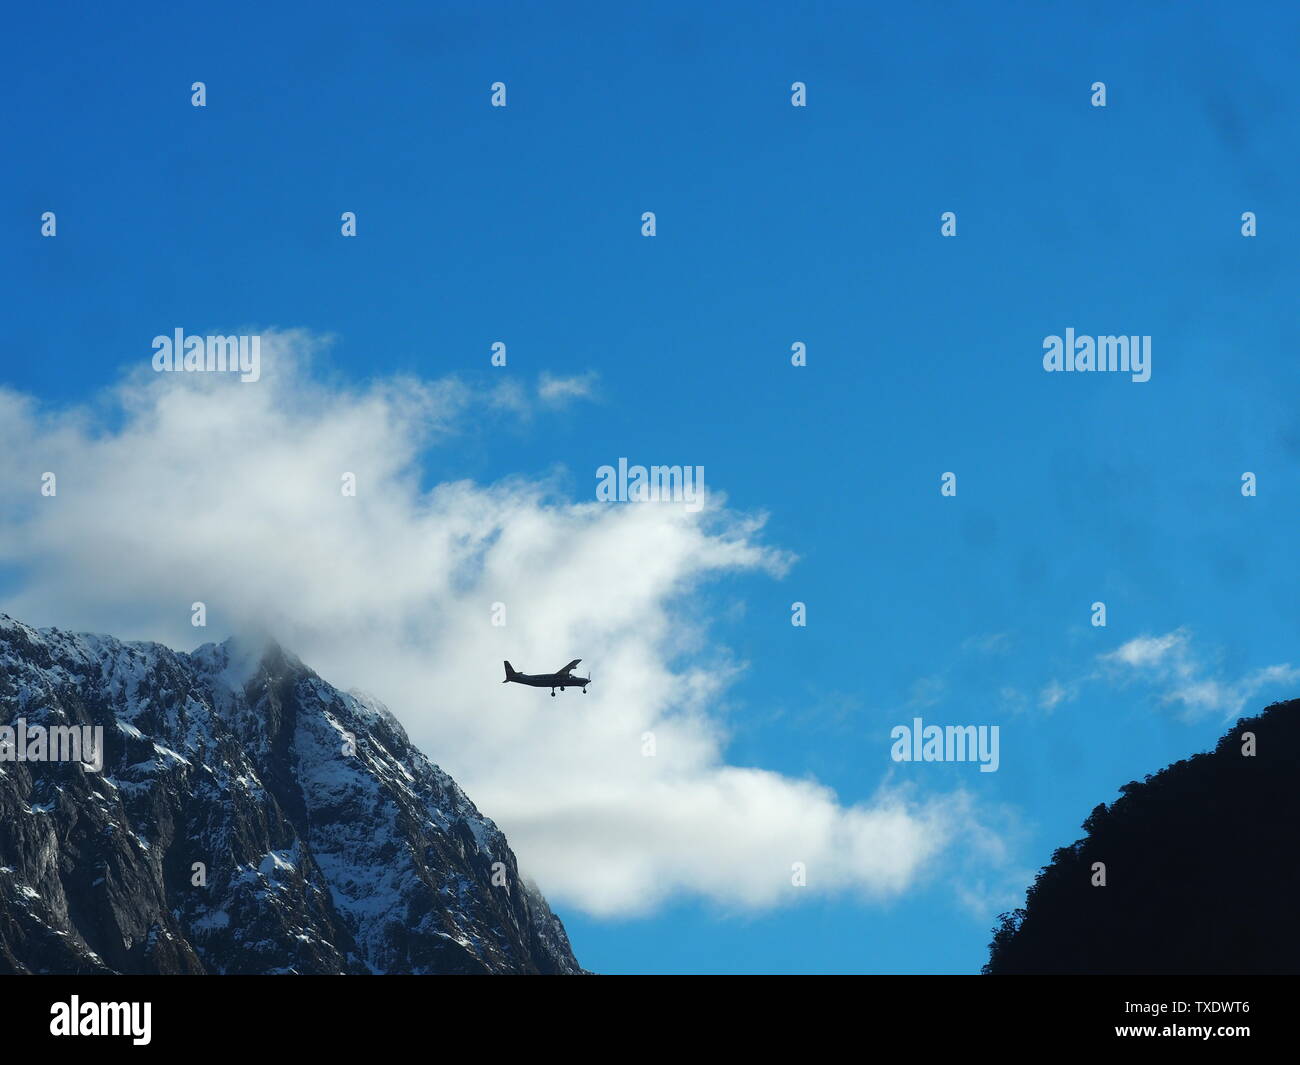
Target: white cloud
[[557, 391], [1169, 664], [203, 488], [1053, 694], [1151, 651]]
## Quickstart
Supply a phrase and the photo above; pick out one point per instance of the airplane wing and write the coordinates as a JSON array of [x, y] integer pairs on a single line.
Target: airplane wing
[[569, 667]]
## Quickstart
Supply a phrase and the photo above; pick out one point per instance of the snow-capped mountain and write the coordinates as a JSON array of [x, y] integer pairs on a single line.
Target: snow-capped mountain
[[248, 818]]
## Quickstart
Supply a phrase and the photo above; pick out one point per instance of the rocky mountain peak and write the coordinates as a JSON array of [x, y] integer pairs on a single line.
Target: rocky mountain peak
[[248, 818]]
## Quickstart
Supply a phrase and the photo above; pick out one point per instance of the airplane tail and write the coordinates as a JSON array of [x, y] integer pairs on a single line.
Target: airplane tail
[[510, 673]]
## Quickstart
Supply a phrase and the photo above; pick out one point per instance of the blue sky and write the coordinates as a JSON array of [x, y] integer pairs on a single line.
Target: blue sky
[[775, 224]]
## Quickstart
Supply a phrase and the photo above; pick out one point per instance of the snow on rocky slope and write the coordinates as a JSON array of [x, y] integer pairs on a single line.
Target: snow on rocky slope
[[248, 818]]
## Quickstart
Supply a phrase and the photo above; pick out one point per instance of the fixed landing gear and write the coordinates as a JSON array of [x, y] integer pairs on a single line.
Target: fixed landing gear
[[584, 691], [552, 693]]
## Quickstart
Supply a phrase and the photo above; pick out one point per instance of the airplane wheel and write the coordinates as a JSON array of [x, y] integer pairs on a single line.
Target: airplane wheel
[[561, 689], [552, 695]]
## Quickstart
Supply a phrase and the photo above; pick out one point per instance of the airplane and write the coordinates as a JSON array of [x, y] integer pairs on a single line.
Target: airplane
[[561, 679]]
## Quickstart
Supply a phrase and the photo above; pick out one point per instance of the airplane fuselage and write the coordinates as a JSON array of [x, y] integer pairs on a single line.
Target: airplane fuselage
[[551, 680], [561, 679]]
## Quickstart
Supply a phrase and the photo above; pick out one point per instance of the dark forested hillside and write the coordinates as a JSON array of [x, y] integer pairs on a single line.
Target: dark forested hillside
[[1202, 871]]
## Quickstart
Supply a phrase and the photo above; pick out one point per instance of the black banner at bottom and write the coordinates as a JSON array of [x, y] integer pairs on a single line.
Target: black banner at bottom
[[148, 1014]]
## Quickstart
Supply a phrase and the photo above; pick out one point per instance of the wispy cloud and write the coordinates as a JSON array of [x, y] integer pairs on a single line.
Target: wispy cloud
[[1181, 677], [1147, 652], [515, 394], [557, 391], [1054, 694], [1012, 700], [988, 643], [926, 691]]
